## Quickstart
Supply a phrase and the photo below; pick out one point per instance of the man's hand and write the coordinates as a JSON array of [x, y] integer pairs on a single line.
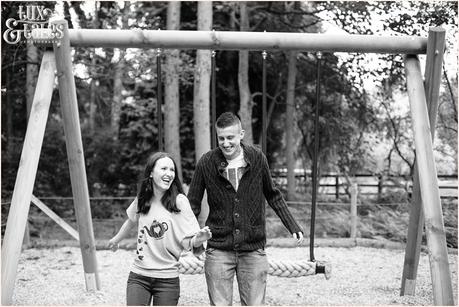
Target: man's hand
[[203, 235], [298, 236]]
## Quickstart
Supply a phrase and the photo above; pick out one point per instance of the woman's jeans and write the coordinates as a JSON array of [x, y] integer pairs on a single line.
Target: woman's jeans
[[251, 269], [140, 290]]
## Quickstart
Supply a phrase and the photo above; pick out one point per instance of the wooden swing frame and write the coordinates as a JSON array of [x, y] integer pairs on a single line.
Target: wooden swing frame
[[423, 97]]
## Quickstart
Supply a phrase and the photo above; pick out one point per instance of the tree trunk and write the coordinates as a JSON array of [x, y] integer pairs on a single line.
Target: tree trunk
[[117, 96], [289, 125], [290, 115], [94, 81], [9, 118], [32, 75], [92, 94], [31, 82], [118, 80], [245, 109], [201, 103], [201, 106], [171, 91]]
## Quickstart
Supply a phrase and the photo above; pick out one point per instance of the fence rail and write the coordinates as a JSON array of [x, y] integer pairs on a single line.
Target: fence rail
[[334, 184], [117, 206]]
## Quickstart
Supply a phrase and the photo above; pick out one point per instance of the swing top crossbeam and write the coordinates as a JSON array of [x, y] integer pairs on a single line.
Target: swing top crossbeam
[[233, 40]]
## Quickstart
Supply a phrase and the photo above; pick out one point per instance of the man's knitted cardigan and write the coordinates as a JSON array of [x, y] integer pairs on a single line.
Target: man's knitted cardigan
[[237, 218]]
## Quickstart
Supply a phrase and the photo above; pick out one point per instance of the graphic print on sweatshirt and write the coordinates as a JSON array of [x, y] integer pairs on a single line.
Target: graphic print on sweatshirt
[[155, 231], [234, 170]]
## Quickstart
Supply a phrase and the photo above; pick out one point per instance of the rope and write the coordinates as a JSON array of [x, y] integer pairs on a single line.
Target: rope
[[193, 265], [291, 269]]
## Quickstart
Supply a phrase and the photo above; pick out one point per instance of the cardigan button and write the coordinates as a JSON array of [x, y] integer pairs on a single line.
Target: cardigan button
[[236, 215], [223, 164], [237, 231], [228, 186]]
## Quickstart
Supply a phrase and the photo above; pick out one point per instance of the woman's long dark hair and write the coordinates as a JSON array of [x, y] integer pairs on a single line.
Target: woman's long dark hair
[[146, 192]]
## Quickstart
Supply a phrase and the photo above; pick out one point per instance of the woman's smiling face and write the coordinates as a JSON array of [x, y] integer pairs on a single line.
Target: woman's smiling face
[[163, 174]]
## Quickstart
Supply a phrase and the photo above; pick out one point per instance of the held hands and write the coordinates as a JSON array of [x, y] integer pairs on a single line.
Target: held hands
[[113, 245], [201, 236], [298, 236]]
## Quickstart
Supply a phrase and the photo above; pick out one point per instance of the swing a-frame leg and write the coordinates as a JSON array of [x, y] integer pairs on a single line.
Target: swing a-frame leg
[[22, 194], [432, 80], [25, 178], [425, 203], [75, 155], [428, 182]]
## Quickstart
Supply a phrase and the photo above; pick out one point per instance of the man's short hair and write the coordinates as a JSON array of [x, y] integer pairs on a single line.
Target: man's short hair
[[227, 119]]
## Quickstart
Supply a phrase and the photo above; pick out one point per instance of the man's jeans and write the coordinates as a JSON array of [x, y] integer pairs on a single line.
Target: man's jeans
[[251, 270], [140, 290]]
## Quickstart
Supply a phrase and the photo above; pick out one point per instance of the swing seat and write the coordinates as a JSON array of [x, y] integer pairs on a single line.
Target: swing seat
[[190, 264]]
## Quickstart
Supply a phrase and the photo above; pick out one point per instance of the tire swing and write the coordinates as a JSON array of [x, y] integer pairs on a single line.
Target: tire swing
[[311, 267], [195, 265]]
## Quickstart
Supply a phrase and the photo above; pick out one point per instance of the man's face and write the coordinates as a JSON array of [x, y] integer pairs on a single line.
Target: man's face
[[229, 140]]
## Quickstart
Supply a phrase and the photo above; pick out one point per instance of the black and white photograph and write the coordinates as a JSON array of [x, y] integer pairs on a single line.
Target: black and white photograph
[[251, 153]]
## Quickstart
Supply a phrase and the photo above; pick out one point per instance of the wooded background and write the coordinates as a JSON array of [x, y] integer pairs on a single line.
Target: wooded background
[[364, 120]]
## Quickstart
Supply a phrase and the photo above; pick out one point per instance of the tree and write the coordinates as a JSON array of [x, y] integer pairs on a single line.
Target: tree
[[290, 109], [385, 72], [32, 74], [245, 109], [352, 118], [94, 79], [118, 87], [171, 91], [290, 124], [201, 107]]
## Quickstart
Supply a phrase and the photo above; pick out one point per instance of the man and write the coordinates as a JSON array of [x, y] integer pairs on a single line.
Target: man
[[237, 179]]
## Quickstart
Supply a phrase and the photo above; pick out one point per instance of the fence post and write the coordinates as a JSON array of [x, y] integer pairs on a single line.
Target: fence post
[[380, 186], [337, 186], [354, 210]]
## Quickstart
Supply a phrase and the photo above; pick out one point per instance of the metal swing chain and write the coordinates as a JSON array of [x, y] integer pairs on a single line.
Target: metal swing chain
[[159, 100], [315, 160], [213, 141], [264, 119]]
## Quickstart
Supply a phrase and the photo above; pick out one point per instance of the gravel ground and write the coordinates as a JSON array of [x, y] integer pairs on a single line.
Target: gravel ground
[[360, 276]]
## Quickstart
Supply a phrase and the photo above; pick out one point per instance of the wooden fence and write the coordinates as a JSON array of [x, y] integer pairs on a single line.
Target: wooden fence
[[335, 185], [331, 185]]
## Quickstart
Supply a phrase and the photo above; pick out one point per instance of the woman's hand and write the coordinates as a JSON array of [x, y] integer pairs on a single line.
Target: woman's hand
[[113, 245], [203, 235]]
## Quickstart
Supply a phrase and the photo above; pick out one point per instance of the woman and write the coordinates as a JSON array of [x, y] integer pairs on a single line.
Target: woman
[[166, 227]]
